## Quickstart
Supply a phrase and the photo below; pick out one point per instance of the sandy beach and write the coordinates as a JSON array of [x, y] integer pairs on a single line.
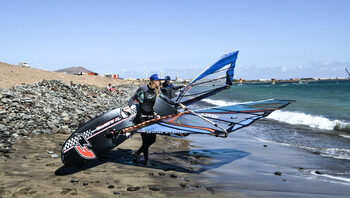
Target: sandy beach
[[34, 169]]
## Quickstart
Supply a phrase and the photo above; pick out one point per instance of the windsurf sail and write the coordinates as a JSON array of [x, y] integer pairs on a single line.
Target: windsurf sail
[[230, 118], [212, 80]]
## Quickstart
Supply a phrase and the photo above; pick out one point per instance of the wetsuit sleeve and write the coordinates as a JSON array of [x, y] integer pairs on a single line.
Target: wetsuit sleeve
[[177, 87], [138, 96], [168, 100]]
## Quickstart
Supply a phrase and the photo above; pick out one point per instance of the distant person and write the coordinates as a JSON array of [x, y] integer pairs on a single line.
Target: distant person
[[168, 89], [146, 96], [112, 89]]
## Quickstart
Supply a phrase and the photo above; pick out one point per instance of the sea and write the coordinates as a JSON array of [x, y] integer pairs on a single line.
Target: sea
[[317, 122]]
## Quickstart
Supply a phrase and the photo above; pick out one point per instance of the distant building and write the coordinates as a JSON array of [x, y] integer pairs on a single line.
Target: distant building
[[24, 64]]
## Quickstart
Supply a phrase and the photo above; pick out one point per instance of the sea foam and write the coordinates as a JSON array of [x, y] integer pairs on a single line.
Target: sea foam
[[296, 118], [313, 121]]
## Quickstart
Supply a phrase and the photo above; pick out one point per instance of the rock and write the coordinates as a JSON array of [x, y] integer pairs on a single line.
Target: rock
[[54, 130], [8, 95], [74, 181], [133, 188], [20, 126], [27, 117], [183, 185], [116, 193], [3, 127], [173, 176], [66, 119], [110, 186], [50, 152], [54, 156], [4, 150], [47, 111], [6, 101], [277, 173], [23, 132], [38, 109], [265, 145], [153, 188], [7, 156], [318, 172], [64, 129]]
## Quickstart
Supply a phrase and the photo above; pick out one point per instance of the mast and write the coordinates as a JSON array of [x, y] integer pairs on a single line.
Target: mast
[[347, 72]]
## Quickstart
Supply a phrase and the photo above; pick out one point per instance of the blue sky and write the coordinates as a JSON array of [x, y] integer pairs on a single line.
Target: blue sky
[[276, 39]]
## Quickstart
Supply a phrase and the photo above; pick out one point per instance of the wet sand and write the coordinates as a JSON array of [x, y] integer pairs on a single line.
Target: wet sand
[[33, 168], [266, 169]]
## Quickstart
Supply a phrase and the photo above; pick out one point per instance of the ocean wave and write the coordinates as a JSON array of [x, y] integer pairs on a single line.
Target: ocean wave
[[314, 121], [296, 118]]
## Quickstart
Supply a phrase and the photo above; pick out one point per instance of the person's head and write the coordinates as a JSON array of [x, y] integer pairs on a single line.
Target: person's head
[[154, 81], [167, 79], [109, 84]]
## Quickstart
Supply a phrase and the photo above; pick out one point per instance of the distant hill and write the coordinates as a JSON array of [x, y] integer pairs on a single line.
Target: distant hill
[[14, 75], [74, 70]]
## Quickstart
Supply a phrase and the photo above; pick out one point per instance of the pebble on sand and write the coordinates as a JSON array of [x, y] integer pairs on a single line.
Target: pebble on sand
[[154, 188], [133, 188], [277, 173], [173, 176], [54, 156], [110, 186], [318, 172], [74, 181]]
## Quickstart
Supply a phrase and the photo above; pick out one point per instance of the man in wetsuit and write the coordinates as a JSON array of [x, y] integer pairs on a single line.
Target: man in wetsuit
[[168, 89], [146, 97]]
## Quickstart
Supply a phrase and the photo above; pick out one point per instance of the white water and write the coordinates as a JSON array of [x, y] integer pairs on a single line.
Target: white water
[[297, 118]]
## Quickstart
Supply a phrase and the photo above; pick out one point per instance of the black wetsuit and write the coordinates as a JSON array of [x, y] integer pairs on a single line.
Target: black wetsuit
[[146, 97], [169, 89]]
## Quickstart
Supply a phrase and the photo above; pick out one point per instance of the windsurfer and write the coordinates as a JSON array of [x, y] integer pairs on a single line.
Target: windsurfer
[[168, 89], [146, 97]]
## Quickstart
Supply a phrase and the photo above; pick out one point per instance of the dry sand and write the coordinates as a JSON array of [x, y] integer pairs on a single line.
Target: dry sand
[[13, 75]]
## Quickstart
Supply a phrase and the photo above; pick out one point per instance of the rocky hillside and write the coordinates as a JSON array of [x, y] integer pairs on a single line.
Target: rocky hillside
[[50, 106]]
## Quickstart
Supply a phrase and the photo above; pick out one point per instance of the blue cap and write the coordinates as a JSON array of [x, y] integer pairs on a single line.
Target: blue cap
[[154, 77], [167, 78]]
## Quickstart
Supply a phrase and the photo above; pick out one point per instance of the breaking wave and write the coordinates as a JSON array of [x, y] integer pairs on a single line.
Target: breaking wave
[[297, 118]]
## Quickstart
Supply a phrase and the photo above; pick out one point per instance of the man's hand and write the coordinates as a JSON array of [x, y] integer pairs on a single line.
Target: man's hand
[[182, 106], [127, 109]]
